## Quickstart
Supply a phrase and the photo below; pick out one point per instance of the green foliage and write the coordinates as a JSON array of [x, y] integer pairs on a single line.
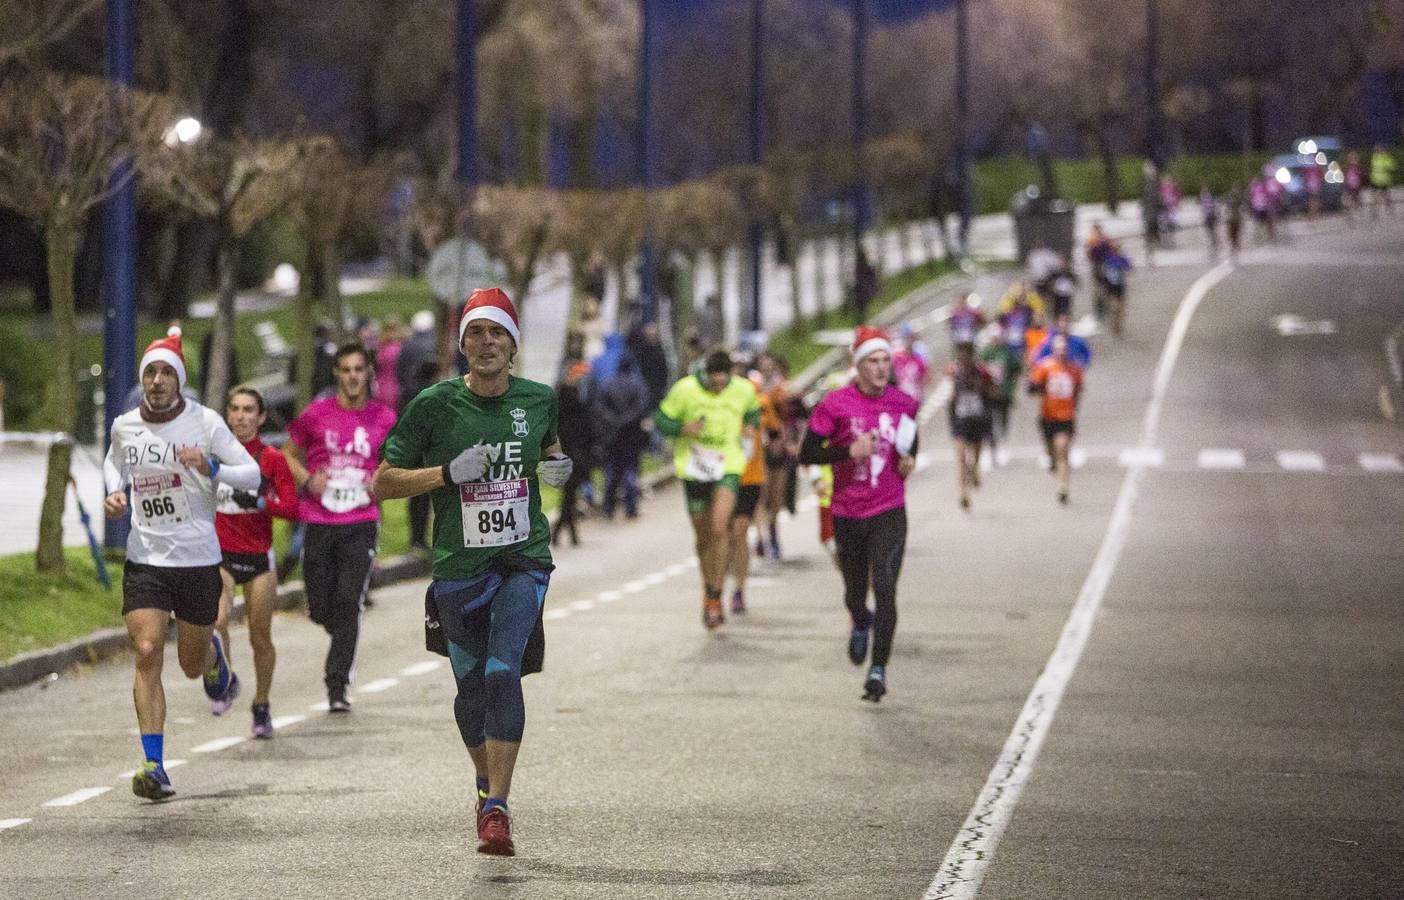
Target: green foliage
[[1081, 180], [25, 367]]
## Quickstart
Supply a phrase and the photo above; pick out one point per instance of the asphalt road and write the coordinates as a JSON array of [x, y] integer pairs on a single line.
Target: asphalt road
[[1231, 726]]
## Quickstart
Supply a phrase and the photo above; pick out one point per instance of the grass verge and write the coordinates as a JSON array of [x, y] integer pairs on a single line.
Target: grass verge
[[38, 611]]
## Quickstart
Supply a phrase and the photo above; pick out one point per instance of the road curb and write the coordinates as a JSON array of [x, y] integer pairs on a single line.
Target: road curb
[[37, 665]]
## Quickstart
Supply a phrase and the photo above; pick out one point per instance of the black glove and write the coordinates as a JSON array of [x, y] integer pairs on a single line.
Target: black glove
[[245, 499]]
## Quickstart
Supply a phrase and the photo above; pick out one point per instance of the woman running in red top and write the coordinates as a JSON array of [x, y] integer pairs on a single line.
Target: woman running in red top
[[244, 523]]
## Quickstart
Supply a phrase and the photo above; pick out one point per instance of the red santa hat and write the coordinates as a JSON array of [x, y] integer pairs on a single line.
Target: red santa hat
[[494, 305], [166, 350], [867, 339]]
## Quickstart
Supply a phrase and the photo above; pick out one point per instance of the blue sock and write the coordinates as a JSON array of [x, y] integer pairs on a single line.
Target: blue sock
[[482, 787], [492, 803], [153, 745]]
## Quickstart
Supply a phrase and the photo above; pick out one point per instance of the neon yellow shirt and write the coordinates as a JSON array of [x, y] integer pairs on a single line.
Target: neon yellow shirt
[[717, 450]]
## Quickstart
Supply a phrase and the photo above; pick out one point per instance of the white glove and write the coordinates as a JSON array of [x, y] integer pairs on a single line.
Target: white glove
[[467, 466], [555, 469]]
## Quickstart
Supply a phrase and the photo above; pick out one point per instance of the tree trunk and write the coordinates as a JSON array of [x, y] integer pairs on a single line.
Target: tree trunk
[[217, 379], [63, 393], [191, 246], [796, 302], [306, 309], [1111, 175], [329, 259], [685, 310]]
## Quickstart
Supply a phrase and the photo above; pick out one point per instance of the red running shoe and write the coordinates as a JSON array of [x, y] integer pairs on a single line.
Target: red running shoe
[[495, 833], [712, 615]]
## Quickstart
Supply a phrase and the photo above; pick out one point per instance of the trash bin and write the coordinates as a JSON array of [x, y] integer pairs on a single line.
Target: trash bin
[[1041, 221]]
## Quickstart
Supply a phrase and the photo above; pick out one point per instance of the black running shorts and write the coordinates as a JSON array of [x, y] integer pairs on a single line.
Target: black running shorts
[[245, 567], [1057, 426], [191, 592], [747, 499]]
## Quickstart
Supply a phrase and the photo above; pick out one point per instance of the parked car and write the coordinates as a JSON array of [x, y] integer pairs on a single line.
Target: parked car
[[1296, 171]]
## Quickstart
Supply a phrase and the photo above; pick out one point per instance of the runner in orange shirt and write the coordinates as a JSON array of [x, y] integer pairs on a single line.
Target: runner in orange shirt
[[1059, 381], [748, 498]]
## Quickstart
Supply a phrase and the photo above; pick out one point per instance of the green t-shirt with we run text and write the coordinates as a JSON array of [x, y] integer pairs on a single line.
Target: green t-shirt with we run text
[[501, 512]]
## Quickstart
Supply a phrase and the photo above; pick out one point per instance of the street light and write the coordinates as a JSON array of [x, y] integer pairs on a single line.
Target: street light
[[185, 131]]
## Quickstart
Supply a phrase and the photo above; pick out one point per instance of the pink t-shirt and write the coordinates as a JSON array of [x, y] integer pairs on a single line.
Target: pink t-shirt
[[864, 488], [909, 372], [346, 444]]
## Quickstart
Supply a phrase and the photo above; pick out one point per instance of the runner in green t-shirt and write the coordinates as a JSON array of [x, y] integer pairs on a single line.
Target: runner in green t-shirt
[[479, 444], [713, 419]]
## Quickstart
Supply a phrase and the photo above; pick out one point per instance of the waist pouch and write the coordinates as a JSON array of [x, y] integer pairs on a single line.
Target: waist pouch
[[475, 601]]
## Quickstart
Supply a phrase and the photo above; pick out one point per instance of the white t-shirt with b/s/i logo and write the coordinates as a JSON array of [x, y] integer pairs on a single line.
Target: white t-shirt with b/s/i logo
[[172, 505]]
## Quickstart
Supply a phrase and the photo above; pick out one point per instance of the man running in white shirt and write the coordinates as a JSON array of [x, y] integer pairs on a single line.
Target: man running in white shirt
[[171, 453]]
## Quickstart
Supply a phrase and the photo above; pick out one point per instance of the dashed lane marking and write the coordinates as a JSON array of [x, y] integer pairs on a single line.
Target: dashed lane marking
[[611, 596], [1150, 457], [79, 796], [1221, 458], [13, 823], [1381, 462], [1301, 461], [219, 744], [421, 668], [320, 706], [633, 587], [580, 605], [378, 686], [552, 615], [287, 721]]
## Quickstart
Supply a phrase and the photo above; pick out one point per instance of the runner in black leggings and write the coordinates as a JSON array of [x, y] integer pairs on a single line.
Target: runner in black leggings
[[867, 431]]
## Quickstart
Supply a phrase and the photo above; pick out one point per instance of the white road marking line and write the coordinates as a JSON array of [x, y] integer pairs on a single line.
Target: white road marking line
[[611, 596], [13, 823], [1150, 457], [1077, 458], [1221, 458], [168, 765], [287, 721], [219, 744], [690, 562], [1300, 461], [654, 579], [78, 796], [378, 686], [974, 845], [633, 587], [674, 570], [551, 615], [581, 605], [421, 668], [320, 706], [1381, 462]]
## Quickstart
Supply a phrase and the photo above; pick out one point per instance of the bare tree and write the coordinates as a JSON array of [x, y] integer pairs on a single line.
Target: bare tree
[[60, 141], [233, 183], [31, 25]]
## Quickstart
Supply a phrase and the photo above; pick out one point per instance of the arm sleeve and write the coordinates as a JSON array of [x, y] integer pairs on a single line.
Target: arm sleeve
[[666, 424], [236, 467], [113, 478], [815, 450], [282, 494], [405, 445]]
